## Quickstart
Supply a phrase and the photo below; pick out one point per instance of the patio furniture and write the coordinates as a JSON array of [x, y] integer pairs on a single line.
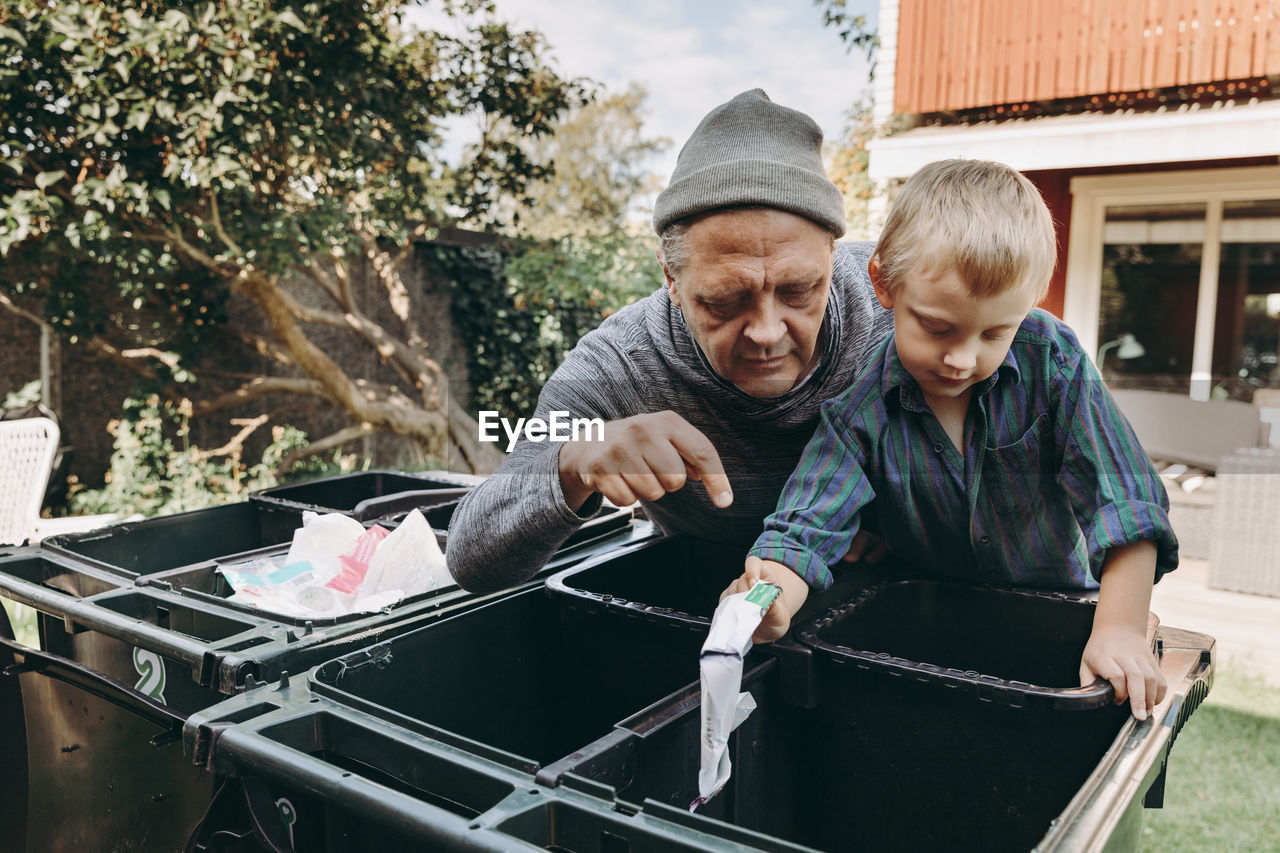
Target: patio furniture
[[27, 448], [1174, 428], [1244, 553], [1177, 428]]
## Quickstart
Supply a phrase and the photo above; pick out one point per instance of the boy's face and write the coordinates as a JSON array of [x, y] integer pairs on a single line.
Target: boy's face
[[754, 293], [947, 339]]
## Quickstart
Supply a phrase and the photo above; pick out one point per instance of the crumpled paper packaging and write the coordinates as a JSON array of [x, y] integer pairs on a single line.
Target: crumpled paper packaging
[[335, 567], [720, 665]]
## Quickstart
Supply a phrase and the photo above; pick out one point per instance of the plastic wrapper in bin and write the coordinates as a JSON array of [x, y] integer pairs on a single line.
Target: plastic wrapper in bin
[[336, 567]]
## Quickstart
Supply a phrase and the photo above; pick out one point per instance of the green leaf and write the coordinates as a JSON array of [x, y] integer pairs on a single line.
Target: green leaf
[[288, 17], [13, 35], [46, 179]]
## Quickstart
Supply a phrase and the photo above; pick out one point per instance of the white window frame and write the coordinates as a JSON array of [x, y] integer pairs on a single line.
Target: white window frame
[[1093, 194]]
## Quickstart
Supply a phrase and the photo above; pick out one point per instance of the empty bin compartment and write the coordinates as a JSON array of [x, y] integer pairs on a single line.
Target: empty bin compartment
[[508, 679]]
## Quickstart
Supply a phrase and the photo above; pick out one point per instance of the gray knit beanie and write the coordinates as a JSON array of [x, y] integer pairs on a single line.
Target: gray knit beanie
[[752, 151]]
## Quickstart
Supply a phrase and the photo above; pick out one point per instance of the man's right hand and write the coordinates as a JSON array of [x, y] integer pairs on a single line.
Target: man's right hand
[[642, 458]]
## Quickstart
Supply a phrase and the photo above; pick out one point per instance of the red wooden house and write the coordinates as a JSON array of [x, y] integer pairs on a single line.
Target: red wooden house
[[1152, 127]]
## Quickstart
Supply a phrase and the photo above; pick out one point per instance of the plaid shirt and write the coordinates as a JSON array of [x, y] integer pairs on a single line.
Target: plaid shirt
[[1050, 477]]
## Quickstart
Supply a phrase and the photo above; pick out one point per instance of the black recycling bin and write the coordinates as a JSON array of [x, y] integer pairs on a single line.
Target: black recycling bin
[[951, 718], [365, 495], [663, 593], [135, 548], [991, 747], [136, 634], [102, 705]]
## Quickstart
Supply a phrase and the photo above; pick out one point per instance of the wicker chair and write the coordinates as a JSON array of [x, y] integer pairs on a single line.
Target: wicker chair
[[1244, 552], [27, 448]]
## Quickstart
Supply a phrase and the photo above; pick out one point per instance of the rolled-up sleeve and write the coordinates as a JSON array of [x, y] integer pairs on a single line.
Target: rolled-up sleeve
[[1116, 493], [818, 512]]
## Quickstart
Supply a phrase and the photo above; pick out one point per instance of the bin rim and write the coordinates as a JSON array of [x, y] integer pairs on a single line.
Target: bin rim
[[983, 687], [559, 586], [270, 495]]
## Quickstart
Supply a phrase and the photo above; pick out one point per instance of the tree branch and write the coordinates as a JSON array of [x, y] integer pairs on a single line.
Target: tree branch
[[389, 274], [13, 308], [217, 226], [312, 271], [236, 444], [338, 439], [422, 372], [258, 388], [134, 363], [427, 424]]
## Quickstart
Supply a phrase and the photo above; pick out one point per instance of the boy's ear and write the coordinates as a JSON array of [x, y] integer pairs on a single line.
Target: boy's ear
[[877, 281]]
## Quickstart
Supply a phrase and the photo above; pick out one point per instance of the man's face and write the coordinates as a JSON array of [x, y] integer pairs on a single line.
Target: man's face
[[753, 293], [947, 339]]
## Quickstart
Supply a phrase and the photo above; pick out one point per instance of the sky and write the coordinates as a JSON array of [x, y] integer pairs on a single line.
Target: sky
[[692, 55]]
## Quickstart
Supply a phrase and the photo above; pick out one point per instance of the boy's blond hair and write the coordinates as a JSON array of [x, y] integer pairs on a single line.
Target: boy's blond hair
[[982, 219]]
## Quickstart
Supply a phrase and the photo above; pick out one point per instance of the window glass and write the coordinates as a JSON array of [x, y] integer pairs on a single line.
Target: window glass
[[1247, 325], [1151, 258]]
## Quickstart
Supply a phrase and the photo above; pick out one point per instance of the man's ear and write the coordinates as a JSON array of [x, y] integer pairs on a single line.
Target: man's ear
[[877, 281], [670, 282]]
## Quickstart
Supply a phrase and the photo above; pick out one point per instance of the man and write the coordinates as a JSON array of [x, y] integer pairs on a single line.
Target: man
[[710, 387]]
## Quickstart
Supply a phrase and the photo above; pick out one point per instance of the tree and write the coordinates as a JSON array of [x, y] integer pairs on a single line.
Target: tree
[[580, 255], [598, 155], [158, 159], [852, 29], [848, 160], [581, 244]]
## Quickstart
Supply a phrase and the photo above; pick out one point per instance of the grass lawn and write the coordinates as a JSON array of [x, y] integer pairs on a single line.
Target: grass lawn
[[1223, 791]]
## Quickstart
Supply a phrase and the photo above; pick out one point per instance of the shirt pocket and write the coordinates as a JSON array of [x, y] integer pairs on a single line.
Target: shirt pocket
[[1015, 476]]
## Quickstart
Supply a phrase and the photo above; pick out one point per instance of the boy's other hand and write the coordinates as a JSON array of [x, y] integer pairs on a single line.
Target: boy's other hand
[[1122, 655], [777, 619], [866, 547]]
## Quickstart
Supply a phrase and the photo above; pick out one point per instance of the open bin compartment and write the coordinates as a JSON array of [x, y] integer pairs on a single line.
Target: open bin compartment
[[32, 566], [304, 773], [510, 680], [657, 595], [172, 541], [324, 778], [985, 750], [115, 672], [608, 523], [365, 496], [204, 581]]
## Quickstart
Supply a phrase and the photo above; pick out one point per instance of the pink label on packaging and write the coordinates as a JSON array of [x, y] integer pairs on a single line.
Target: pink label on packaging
[[356, 564]]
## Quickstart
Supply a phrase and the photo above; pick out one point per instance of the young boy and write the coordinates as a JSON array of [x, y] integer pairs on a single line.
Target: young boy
[[994, 450]]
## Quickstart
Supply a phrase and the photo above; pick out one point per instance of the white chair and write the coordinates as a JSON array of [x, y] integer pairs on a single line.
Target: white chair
[[27, 448]]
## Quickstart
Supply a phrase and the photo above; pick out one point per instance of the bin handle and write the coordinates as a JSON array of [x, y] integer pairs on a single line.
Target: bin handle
[[88, 614], [384, 505], [91, 681], [255, 754]]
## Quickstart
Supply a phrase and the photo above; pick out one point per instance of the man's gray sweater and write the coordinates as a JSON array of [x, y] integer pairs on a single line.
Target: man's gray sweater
[[643, 359]]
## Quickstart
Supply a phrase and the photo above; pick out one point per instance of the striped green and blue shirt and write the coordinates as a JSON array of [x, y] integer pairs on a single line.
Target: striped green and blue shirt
[[1050, 477]]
